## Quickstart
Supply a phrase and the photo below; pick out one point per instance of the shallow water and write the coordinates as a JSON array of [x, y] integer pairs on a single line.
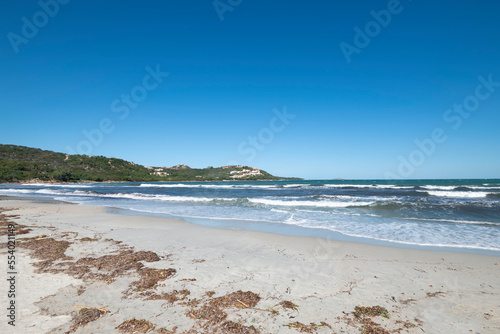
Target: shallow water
[[434, 213]]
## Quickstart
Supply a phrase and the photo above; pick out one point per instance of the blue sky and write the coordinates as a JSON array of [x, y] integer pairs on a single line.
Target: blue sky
[[228, 79]]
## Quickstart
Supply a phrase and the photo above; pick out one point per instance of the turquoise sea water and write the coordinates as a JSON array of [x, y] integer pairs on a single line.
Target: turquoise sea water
[[462, 214]]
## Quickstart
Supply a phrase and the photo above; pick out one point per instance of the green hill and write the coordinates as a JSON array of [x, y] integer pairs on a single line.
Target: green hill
[[20, 163]]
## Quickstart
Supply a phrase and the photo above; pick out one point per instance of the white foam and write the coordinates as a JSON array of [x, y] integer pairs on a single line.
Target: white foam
[[482, 188], [347, 185], [423, 244], [62, 185], [438, 187], [167, 198], [183, 185], [383, 186], [137, 196], [279, 211], [368, 186], [364, 198], [268, 186], [206, 217], [32, 191], [391, 234], [437, 220], [175, 185], [21, 191], [457, 194], [327, 204]]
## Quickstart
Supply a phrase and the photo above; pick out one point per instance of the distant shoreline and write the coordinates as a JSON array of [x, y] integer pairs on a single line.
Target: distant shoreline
[[19, 163], [90, 181], [34, 181]]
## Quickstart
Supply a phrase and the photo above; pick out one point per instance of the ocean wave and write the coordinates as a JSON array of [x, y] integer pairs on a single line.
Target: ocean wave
[[389, 205], [280, 211], [456, 194], [166, 198], [386, 212], [140, 196], [221, 186], [476, 188], [32, 191], [267, 186], [327, 204], [470, 205], [444, 220], [458, 188], [347, 186], [59, 185], [206, 217], [373, 234], [383, 186], [182, 185], [368, 186], [350, 197], [21, 191], [437, 220], [431, 187], [421, 244], [137, 196]]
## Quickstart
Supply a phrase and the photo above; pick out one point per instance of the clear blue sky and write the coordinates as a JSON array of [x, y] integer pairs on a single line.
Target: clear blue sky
[[352, 120]]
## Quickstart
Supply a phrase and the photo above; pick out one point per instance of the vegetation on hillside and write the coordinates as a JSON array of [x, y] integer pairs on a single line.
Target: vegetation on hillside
[[20, 163]]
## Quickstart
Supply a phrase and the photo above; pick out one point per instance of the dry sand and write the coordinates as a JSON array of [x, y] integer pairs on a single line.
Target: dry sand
[[422, 291]]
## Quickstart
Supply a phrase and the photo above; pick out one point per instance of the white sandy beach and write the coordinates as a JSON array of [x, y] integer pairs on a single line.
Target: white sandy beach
[[422, 291]]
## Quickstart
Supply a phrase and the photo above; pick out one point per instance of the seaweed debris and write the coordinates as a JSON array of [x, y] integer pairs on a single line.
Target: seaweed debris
[[215, 318], [363, 315], [434, 294], [47, 249], [367, 311], [135, 326], [231, 327], [239, 298], [311, 328], [84, 316], [170, 297], [150, 277], [288, 305]]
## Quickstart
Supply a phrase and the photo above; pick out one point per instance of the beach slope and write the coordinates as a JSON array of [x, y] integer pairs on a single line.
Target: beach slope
[[81, 269]]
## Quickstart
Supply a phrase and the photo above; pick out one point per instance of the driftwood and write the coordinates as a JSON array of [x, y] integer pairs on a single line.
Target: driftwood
[[243, 303]]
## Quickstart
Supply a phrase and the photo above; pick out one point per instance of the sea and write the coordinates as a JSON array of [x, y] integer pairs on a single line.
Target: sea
[[451, 215]]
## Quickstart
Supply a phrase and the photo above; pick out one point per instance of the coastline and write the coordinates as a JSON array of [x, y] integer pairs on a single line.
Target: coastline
[[437, 292], [35, 181], [303, 232], [31, 181], [277, 229]]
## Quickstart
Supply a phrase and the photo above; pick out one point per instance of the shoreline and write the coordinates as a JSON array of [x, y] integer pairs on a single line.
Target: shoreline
[[304, 232], [438, 292], [281, 229], [35, 181]]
